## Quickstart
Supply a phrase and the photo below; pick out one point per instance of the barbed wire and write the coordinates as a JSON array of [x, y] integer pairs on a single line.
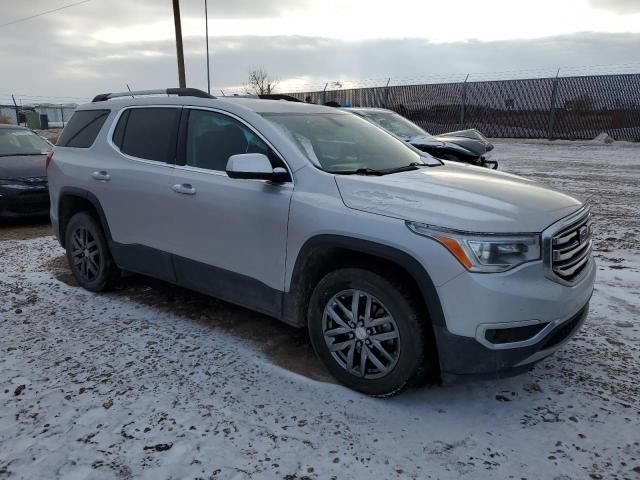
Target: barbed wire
[[521, 74], [291, 85], [47, 12]]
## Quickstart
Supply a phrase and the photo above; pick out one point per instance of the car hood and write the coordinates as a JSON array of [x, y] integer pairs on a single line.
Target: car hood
[[460, 197], [22, 166], [471, 140]]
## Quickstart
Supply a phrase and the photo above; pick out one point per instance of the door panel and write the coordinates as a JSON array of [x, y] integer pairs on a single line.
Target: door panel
[[135, 183], [132, 200], [236, 225], [236, 229]]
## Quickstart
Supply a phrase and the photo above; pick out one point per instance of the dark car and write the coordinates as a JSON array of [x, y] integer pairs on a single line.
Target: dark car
[[467, 146], [23, 177]]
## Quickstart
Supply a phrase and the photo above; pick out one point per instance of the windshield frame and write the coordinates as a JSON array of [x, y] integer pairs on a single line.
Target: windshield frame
[[25, 132], [415, 158]]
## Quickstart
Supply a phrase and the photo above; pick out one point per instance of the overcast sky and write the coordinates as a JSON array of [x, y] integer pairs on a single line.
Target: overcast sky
[[101, 45]]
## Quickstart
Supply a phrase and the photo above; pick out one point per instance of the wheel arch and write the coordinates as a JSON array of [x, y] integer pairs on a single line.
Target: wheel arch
[[73, 200], [324, 253]]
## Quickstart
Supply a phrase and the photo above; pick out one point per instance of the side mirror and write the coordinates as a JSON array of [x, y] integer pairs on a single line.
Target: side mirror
[[255, 166]]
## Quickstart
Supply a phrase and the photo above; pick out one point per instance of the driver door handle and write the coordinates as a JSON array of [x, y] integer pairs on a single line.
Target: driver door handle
[[101, 175], [184, 188]]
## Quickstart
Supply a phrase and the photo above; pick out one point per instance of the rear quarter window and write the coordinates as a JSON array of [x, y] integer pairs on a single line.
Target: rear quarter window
[[149, 133], [83, 128]]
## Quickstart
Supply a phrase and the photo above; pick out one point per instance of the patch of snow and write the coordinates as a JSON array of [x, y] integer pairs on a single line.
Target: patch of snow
[[603, 138], [114, 386]]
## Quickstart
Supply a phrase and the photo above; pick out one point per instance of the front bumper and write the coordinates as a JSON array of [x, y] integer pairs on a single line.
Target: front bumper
[[24, 201], [499, 325], [464, 358]]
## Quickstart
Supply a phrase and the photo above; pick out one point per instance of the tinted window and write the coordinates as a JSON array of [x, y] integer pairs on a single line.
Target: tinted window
[[83, 128], [118, 134], [212, 138], [149, 133]]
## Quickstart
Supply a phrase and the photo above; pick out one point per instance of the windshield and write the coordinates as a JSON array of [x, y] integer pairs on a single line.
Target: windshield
[[15, 141], [341, 143], [396, 124]]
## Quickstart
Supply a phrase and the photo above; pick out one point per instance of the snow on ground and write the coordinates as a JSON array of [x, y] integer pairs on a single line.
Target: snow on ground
[[152, 381]]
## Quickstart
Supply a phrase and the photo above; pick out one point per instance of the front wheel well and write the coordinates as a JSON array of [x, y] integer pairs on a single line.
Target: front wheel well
[[318, 261]]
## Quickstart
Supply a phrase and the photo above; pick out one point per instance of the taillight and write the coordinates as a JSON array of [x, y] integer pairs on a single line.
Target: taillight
[[48, 160]]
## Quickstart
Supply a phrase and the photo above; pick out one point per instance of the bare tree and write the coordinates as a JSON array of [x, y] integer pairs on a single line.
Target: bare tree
[[260, 83]]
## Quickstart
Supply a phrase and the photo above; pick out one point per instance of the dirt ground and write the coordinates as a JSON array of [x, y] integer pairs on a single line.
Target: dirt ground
[[23, 229], [288, 347]]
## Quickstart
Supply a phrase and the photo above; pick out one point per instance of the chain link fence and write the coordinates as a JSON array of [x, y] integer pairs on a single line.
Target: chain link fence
[[579, 107]]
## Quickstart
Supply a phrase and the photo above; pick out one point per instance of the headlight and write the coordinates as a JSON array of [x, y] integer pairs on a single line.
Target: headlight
[[483, 252]]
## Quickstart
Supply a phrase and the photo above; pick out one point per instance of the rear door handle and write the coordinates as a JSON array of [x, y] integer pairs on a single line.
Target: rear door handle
[[184, 188], [101, 175]]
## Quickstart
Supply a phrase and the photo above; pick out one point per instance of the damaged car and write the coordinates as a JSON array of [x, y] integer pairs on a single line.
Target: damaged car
[[465, 146]]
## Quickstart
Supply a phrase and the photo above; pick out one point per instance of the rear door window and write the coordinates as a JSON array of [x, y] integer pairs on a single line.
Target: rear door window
[[148, 133], [83, 128]]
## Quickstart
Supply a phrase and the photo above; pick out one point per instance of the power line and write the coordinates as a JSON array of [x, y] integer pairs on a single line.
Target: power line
[[42, 13], [59, 97]]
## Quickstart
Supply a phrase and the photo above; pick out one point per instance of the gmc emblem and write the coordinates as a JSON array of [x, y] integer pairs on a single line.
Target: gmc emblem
[[583, 233]]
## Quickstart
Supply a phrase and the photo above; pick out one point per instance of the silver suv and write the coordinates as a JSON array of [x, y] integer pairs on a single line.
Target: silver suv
[[404, 268]]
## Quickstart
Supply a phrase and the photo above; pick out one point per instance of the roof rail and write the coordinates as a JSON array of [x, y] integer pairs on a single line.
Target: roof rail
[[181, 92], [266, 96], [279, 96]]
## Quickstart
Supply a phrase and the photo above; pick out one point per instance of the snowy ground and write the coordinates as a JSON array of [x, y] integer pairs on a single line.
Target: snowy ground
[[156, 382]]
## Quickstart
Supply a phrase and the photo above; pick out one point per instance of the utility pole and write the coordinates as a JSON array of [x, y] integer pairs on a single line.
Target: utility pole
[[17, 110], [552, 109], [386, 93], [463, 104], [206, 27], [176, 20]]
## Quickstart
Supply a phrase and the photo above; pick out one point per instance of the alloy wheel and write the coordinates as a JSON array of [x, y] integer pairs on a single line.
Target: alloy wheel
[[361, 334], [85, 253]]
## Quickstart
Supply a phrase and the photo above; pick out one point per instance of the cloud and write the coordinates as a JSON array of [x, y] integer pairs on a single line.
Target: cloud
[[618, 6], [252, 8], [83, 52], [302, 62]]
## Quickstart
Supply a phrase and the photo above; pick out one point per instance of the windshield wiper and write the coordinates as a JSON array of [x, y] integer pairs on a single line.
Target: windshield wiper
[[405, 168], [386, 171], [359, 171], [20, 154]]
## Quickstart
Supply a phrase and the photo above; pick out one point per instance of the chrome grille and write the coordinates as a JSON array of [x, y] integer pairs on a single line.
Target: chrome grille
[[571, 249]]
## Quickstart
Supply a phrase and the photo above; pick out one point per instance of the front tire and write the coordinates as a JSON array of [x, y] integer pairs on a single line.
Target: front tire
[[369, 332], [88, 254]]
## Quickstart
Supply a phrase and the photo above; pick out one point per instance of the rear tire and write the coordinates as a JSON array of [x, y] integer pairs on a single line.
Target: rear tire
[[385, 348], [88, 254]]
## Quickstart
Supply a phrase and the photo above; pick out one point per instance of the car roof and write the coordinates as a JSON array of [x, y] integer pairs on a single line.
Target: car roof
[[254, 104], [278, 106]]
